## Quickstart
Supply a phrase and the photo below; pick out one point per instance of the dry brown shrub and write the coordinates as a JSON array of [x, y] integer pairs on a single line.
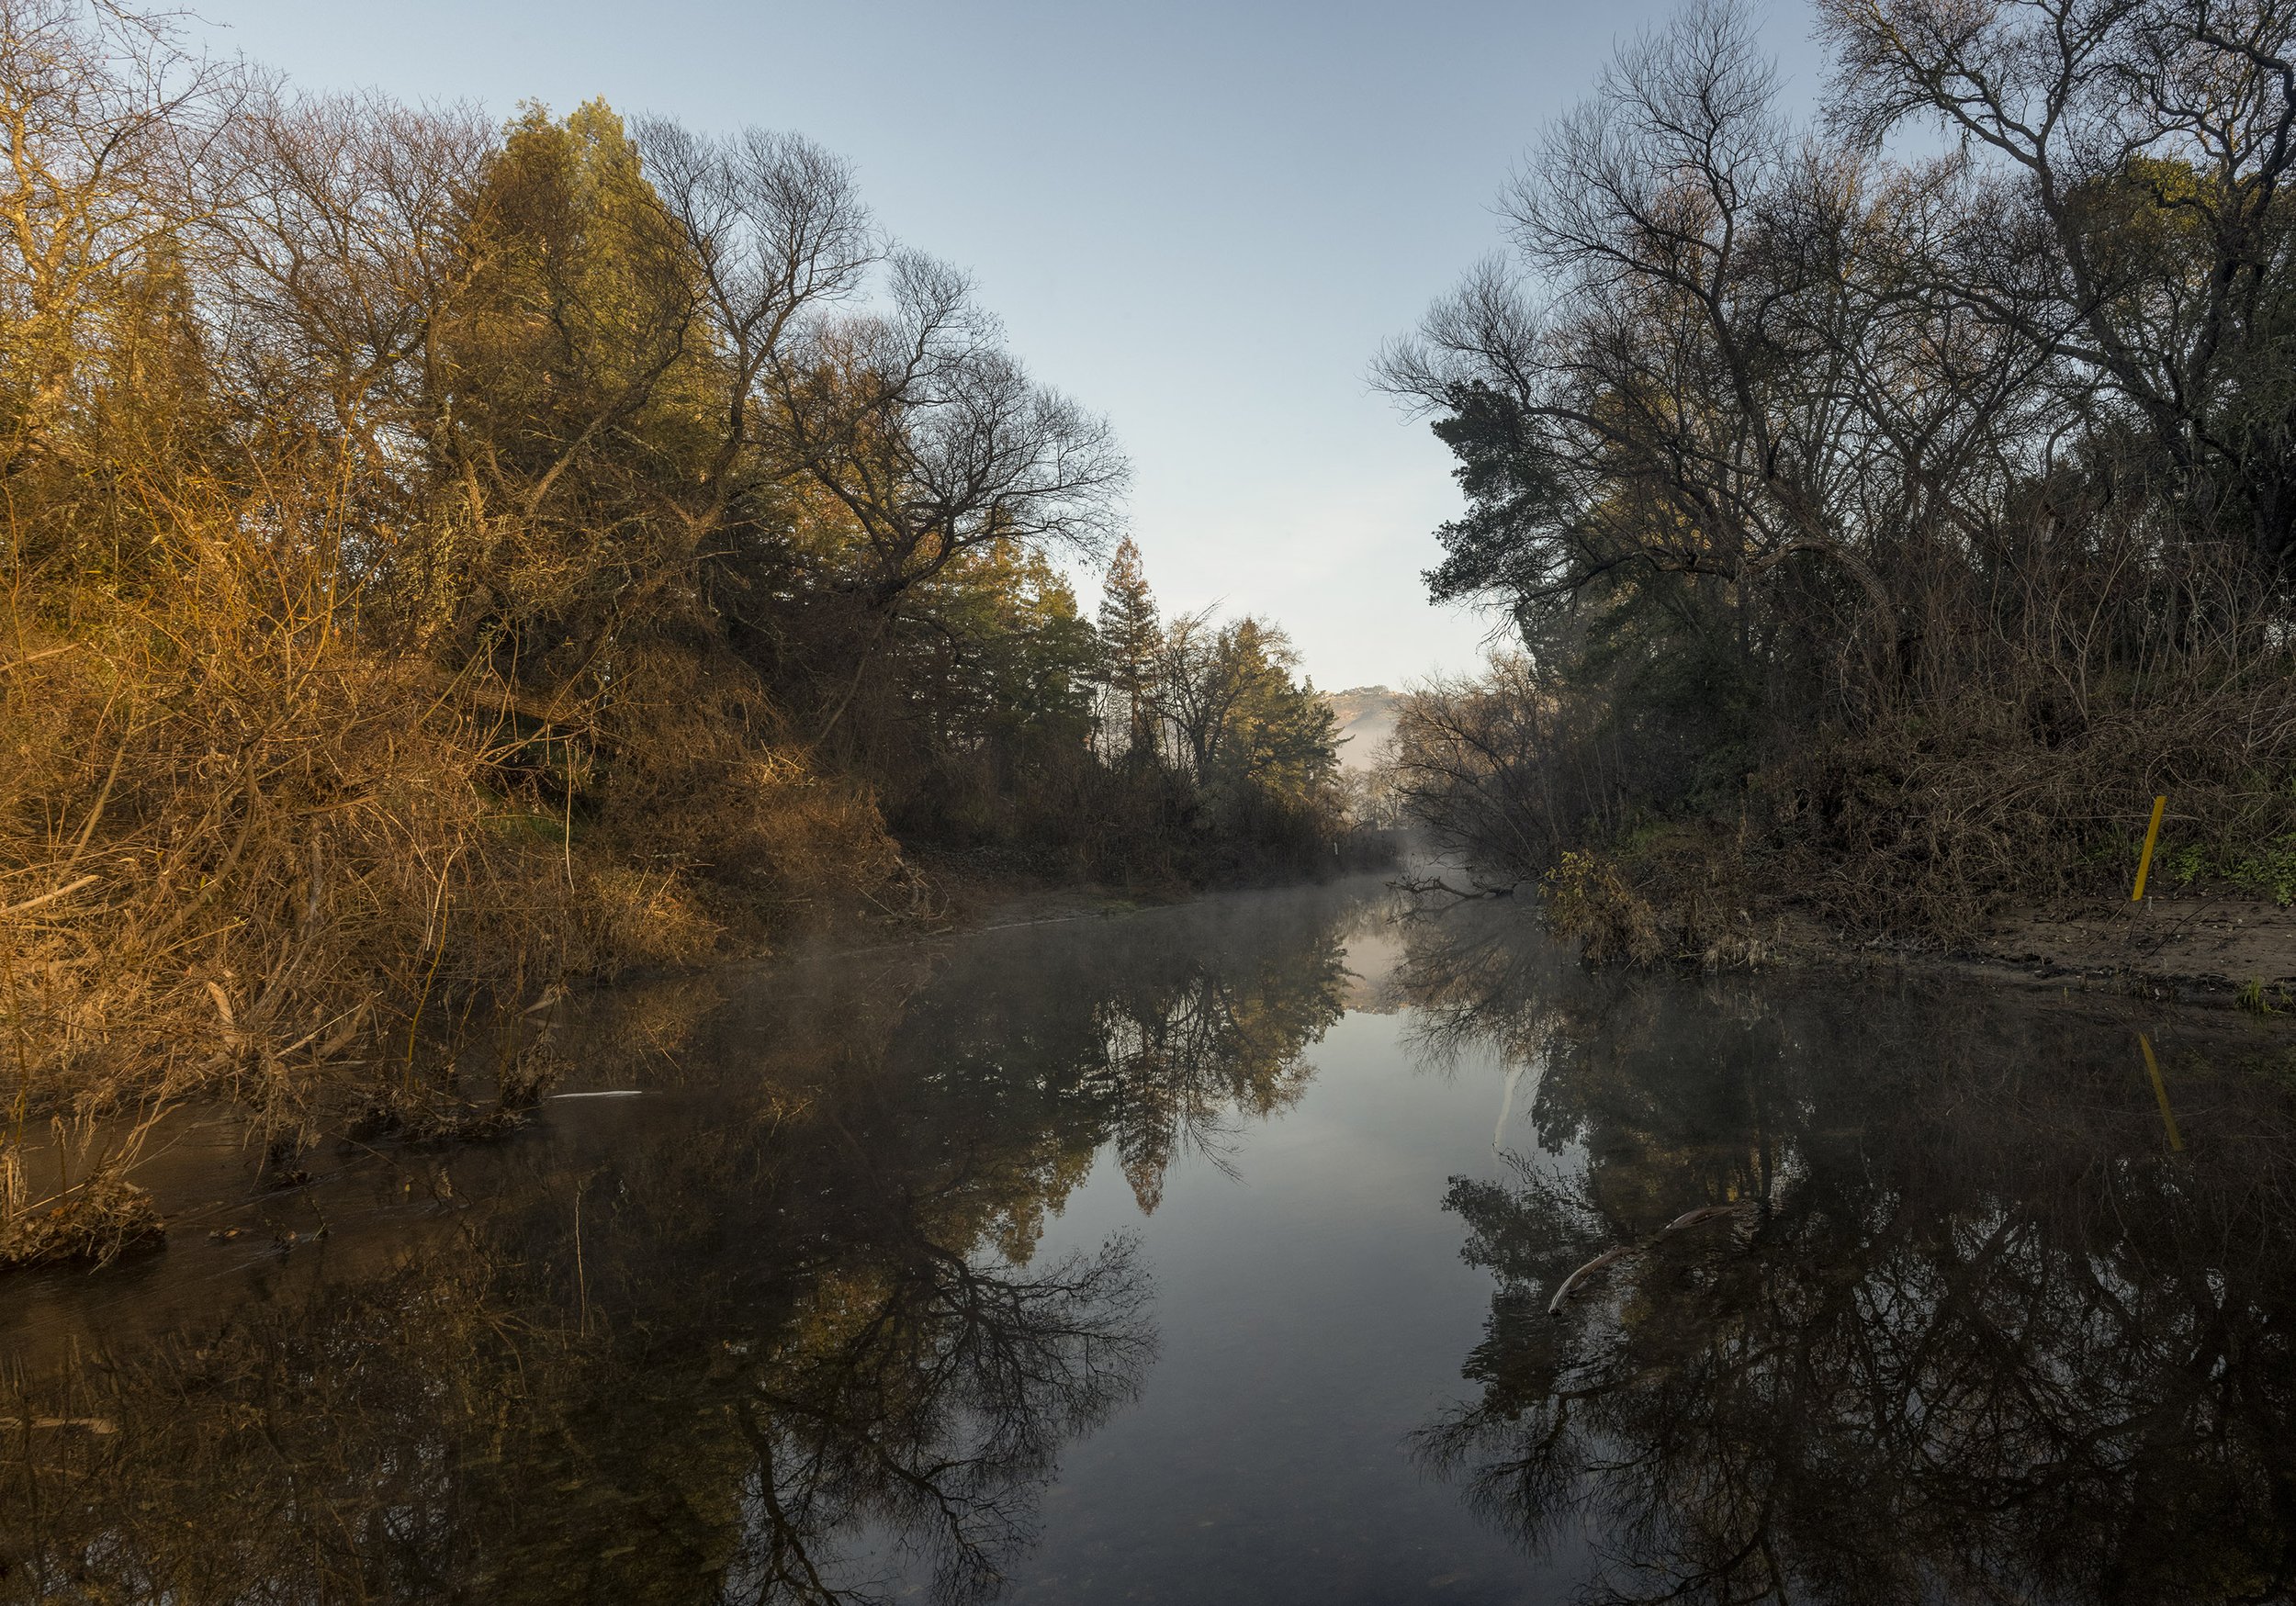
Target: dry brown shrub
[[729, 816], [242, 855], [635, 917], [1675, 893], [1933, 822], [1589, 901]]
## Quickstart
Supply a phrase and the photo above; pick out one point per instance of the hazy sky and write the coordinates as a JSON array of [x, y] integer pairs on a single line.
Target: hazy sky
[[1200, 219]]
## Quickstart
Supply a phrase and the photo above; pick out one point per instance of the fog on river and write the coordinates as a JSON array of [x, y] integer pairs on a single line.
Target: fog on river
[[1235, 1252]]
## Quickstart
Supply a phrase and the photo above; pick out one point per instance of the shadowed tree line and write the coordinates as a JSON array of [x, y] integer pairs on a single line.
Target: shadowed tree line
[[777, 1331], [442, 559], [1946, 1311], [1884, 505]]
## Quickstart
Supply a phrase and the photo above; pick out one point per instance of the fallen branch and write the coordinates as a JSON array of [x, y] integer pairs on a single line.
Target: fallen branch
[[63, 891], [1707, 1213], [1437, 884], [1571, 1283], [35, 657], [1688, 1218]]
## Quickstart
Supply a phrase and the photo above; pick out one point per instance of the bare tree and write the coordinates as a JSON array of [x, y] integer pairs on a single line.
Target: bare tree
[[2140, 153], [106, 123], [1652, 376], [777, 231], [933, 439]]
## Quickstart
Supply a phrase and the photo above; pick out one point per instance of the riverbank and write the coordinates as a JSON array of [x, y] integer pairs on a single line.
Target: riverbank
[[2222, 952]]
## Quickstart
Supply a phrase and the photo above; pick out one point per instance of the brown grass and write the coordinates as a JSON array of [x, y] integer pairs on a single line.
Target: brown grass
[[242, 855]]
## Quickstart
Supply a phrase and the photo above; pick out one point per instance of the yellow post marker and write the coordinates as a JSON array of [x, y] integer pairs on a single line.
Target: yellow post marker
[[2160, 1092], [2144, 865]]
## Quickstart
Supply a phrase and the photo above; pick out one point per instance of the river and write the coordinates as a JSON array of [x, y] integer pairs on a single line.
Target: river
[[1222, 1252]]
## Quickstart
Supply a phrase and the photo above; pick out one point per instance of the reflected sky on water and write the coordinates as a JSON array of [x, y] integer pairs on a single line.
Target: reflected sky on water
[[1268, 1249]]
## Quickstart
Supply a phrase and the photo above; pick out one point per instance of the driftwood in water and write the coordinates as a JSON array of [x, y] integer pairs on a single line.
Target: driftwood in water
[[1571, 1283], [1688, 1218], [1706, 1213]]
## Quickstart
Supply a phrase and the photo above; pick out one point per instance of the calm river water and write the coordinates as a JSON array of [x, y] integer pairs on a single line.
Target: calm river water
[[1206, 1254]]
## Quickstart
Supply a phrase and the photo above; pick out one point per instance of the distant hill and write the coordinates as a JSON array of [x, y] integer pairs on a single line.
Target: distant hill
[[1365, 715]]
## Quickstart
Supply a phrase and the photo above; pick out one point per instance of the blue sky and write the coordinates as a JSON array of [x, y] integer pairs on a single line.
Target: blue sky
[[1200, 219]]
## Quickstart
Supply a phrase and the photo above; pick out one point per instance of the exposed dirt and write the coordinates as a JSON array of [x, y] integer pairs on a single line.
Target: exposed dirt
[[2192, 949]]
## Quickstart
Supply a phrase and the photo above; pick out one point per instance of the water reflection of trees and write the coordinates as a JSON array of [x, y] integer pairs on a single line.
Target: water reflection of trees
[[1156, 1034], [1975, 1333], [803, 1346]]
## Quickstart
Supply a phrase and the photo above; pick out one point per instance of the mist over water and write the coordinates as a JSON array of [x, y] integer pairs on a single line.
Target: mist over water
[[1231, 1252]]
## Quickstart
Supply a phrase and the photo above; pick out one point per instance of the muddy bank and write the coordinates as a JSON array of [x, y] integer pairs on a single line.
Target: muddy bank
[[2220, 950], [2224, 951]]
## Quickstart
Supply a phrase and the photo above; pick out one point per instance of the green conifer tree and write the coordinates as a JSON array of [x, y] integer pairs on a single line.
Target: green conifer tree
[[1130, 635]]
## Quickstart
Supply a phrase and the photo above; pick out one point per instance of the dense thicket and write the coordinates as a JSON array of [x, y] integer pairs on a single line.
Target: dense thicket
[[442, 559], [1902, 512]]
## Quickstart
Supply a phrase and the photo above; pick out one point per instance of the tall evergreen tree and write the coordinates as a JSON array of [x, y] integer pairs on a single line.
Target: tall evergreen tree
[[1130, 633]]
